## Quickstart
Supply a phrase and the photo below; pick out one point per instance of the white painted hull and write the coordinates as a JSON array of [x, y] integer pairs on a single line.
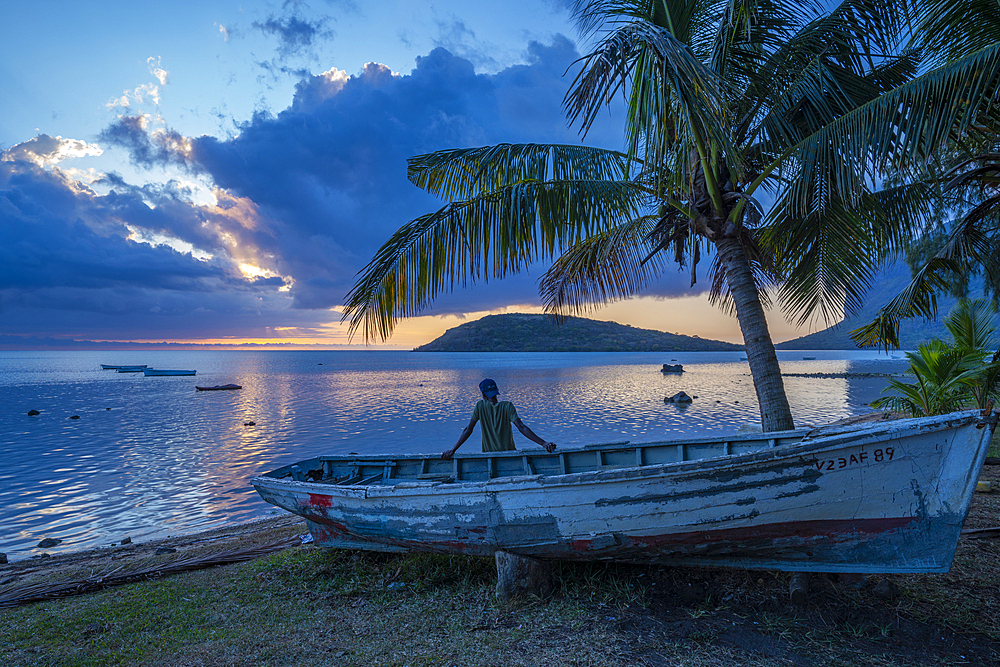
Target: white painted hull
[[158, 372], [884, 497]]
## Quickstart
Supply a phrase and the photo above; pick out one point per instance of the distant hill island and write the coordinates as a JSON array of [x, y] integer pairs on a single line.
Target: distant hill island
[[515, 332]]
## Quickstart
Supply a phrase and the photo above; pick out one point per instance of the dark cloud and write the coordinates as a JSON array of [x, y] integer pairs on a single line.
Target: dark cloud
[[67, 266], [296, 35], [298, 38], [307, 194], [330, 170], [145, 148]]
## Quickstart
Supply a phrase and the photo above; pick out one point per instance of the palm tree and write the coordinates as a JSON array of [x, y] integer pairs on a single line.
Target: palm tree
[[971, 326], [941, 375], [950, 376], [727, 100]]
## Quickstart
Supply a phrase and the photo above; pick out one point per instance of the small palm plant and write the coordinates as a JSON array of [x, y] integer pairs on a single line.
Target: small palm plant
[[951, 376]]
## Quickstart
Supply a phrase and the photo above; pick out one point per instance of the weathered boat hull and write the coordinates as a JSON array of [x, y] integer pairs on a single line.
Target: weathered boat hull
[[220, 387], [889, 497]]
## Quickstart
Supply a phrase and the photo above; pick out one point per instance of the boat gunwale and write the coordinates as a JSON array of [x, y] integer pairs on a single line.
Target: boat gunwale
[[823, 440]]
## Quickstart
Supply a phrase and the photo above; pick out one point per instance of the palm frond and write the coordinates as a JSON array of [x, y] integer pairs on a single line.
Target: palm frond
[[970, 324], [944, 378], [853, 38], [672, 94], [967, 244], [605, 267], [919, 298], [464, 173], [748, 31], [484, 238], [686, 20], [827, 259], [902, 126], [949, 29]]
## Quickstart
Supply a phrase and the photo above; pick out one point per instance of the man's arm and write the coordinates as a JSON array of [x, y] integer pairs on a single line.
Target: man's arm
[[530, 435], [463, 436]]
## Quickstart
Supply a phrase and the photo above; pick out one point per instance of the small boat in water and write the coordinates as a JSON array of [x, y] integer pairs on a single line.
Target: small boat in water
[[889, 496], [219, 387], [163, 371], [123, 369]]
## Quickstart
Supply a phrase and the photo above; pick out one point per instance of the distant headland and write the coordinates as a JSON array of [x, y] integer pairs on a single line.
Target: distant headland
[[516, 332]]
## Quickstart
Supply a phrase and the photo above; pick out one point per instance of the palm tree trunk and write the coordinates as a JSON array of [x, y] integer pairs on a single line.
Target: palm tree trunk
[[775, 414]]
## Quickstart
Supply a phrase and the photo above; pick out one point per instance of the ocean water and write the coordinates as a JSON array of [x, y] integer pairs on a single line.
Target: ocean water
[[151, 456]]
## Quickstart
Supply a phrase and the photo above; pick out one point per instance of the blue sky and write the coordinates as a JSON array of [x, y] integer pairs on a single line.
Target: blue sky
[[220, 171]]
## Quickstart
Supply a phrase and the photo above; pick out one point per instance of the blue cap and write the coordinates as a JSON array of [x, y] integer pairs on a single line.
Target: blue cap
[[489, 388]]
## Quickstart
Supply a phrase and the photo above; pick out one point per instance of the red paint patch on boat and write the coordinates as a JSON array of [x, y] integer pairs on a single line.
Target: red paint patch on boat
[[317, 500]]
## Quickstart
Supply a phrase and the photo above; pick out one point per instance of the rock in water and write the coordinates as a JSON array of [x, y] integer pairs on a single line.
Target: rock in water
[[127, 540], [49, 542], [672, 368], [32, 413], [3, 559], [679, 397]]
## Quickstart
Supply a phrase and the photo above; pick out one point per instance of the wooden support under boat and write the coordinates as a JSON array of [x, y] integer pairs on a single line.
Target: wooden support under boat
[[798, 588], [522, 575]]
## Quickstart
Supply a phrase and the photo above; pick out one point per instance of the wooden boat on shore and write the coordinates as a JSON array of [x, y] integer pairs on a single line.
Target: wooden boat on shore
[[156, 372], [220, 387], [123, 369], [889, 496]]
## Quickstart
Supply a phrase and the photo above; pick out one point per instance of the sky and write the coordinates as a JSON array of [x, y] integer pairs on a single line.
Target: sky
[[218, 172]]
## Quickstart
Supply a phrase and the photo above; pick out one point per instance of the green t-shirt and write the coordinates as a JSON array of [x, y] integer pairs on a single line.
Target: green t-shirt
[[494, 422]]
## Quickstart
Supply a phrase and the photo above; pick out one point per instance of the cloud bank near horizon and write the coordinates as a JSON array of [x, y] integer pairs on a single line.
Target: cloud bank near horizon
[[300, 201]]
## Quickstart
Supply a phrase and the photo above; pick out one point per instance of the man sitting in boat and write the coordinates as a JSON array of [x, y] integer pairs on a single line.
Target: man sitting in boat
[[495, 418]]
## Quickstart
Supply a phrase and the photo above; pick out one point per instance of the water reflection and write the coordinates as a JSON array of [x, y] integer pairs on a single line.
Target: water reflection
[[152, 456]]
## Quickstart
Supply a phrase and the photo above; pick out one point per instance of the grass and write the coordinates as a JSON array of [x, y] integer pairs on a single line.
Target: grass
[[312, 606]]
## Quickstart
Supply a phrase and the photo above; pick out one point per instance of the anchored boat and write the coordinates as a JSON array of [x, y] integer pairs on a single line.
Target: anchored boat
[[123, 369], [889, 496], [164, 371]]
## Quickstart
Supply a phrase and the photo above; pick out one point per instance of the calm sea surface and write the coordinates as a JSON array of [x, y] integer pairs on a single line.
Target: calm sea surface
[[151, 457]]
